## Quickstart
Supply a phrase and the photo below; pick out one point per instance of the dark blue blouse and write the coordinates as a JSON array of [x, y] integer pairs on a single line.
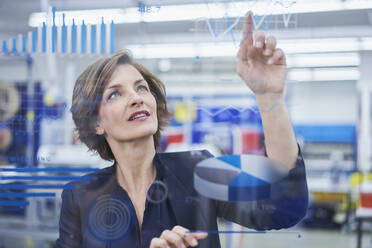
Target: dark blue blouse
[[98, 213], [158, 214]]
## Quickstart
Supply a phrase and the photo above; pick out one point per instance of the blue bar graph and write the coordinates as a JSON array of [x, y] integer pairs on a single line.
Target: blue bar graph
[[102, 37], [73, 37], [83, 37], [4, 48], [112, 32], [24, 41], [31, 194], [14, 203], [54, 31], [14, 48], [63, 34], [34, 41], [93, 40], [43, 38]]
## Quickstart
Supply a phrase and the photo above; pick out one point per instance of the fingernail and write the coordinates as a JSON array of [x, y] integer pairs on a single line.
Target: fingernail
[[267, 52], [270, 61], [248, 13], [194, 242], [183, 246], [258, 44]]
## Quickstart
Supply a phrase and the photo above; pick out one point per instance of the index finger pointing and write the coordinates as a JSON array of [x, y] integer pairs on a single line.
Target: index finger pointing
[[198, 234], [248, 28]]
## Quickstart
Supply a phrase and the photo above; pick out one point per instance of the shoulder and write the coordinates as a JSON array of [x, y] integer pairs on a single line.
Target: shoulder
[[92, 182], [184, 162], [185, 157]]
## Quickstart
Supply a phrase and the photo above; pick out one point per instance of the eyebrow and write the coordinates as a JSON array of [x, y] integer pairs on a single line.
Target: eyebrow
[[119, 85]]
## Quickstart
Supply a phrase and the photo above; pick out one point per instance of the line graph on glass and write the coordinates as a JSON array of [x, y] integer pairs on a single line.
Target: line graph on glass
[[225, 18]]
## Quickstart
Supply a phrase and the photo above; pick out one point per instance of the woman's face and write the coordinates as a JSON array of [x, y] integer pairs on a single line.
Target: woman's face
[[126, 93]]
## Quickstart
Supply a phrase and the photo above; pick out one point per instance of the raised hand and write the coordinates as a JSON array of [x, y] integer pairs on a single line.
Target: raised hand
[[261, 65]]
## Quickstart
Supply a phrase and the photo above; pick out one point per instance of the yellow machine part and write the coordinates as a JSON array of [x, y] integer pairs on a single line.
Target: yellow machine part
[[332, 197]]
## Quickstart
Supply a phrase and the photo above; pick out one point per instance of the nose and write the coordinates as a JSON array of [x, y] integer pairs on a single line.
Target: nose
[[136, 99]]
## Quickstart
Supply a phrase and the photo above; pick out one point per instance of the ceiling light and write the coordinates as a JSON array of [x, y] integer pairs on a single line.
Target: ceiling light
[[200, 11], [290, 47], [323, 60], [320, 45], [333, 74], [324, 74]]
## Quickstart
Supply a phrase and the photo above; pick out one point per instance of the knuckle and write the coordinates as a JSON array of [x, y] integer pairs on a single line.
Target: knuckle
[[259, 35], [165, 232], [154, 241], [271, 38], [163, 243], [176, 227], [180, 229], [279, 52]]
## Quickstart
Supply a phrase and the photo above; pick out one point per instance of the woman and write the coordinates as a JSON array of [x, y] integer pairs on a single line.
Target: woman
[[119, 111]]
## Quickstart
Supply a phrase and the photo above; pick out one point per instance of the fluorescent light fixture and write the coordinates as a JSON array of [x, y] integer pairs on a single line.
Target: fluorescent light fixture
[[323, 60], [201, 11], [366, 43], [311, 47], [183, 50], [299, 75], [320, 45], [324, 74], [332, 74], [179, 50]]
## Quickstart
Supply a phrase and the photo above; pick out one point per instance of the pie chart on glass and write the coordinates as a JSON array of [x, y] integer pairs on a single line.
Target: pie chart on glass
[[238, 178]]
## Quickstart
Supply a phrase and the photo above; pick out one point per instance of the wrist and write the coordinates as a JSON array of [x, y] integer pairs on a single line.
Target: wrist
[[269, 101]]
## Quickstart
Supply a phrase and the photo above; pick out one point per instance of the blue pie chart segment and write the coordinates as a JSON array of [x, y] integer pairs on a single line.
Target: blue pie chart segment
[[246, 187], [239, 178], [232, 160]]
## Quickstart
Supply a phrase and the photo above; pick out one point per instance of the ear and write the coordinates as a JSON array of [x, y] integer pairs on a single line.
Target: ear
[[99, 130]]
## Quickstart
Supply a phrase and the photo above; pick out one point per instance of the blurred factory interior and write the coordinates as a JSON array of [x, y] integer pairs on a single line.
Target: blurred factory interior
[[191, 46]]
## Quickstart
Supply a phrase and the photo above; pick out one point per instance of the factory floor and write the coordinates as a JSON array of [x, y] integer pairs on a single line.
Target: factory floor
[[308, 239], [289, 238], [294, 238]]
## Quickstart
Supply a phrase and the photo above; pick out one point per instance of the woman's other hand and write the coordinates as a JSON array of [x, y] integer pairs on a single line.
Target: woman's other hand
[[177, 238]]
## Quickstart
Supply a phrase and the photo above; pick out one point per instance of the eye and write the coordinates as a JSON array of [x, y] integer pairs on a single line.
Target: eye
[[143, 87], [114, 93]]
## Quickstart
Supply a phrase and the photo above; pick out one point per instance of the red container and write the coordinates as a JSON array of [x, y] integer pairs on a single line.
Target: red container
[[366, 200], [251, 141], [174, 138]]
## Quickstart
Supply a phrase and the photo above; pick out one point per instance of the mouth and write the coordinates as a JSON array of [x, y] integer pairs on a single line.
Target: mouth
[[139, 115]]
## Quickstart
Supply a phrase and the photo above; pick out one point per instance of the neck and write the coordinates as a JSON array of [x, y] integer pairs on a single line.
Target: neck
[[135, 170]]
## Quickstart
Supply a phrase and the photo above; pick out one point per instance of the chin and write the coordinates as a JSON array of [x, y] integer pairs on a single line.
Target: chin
[[140, 132], [147, 132]]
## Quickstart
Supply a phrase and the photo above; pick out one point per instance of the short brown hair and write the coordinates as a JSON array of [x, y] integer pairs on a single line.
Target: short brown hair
[[88, 92]]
